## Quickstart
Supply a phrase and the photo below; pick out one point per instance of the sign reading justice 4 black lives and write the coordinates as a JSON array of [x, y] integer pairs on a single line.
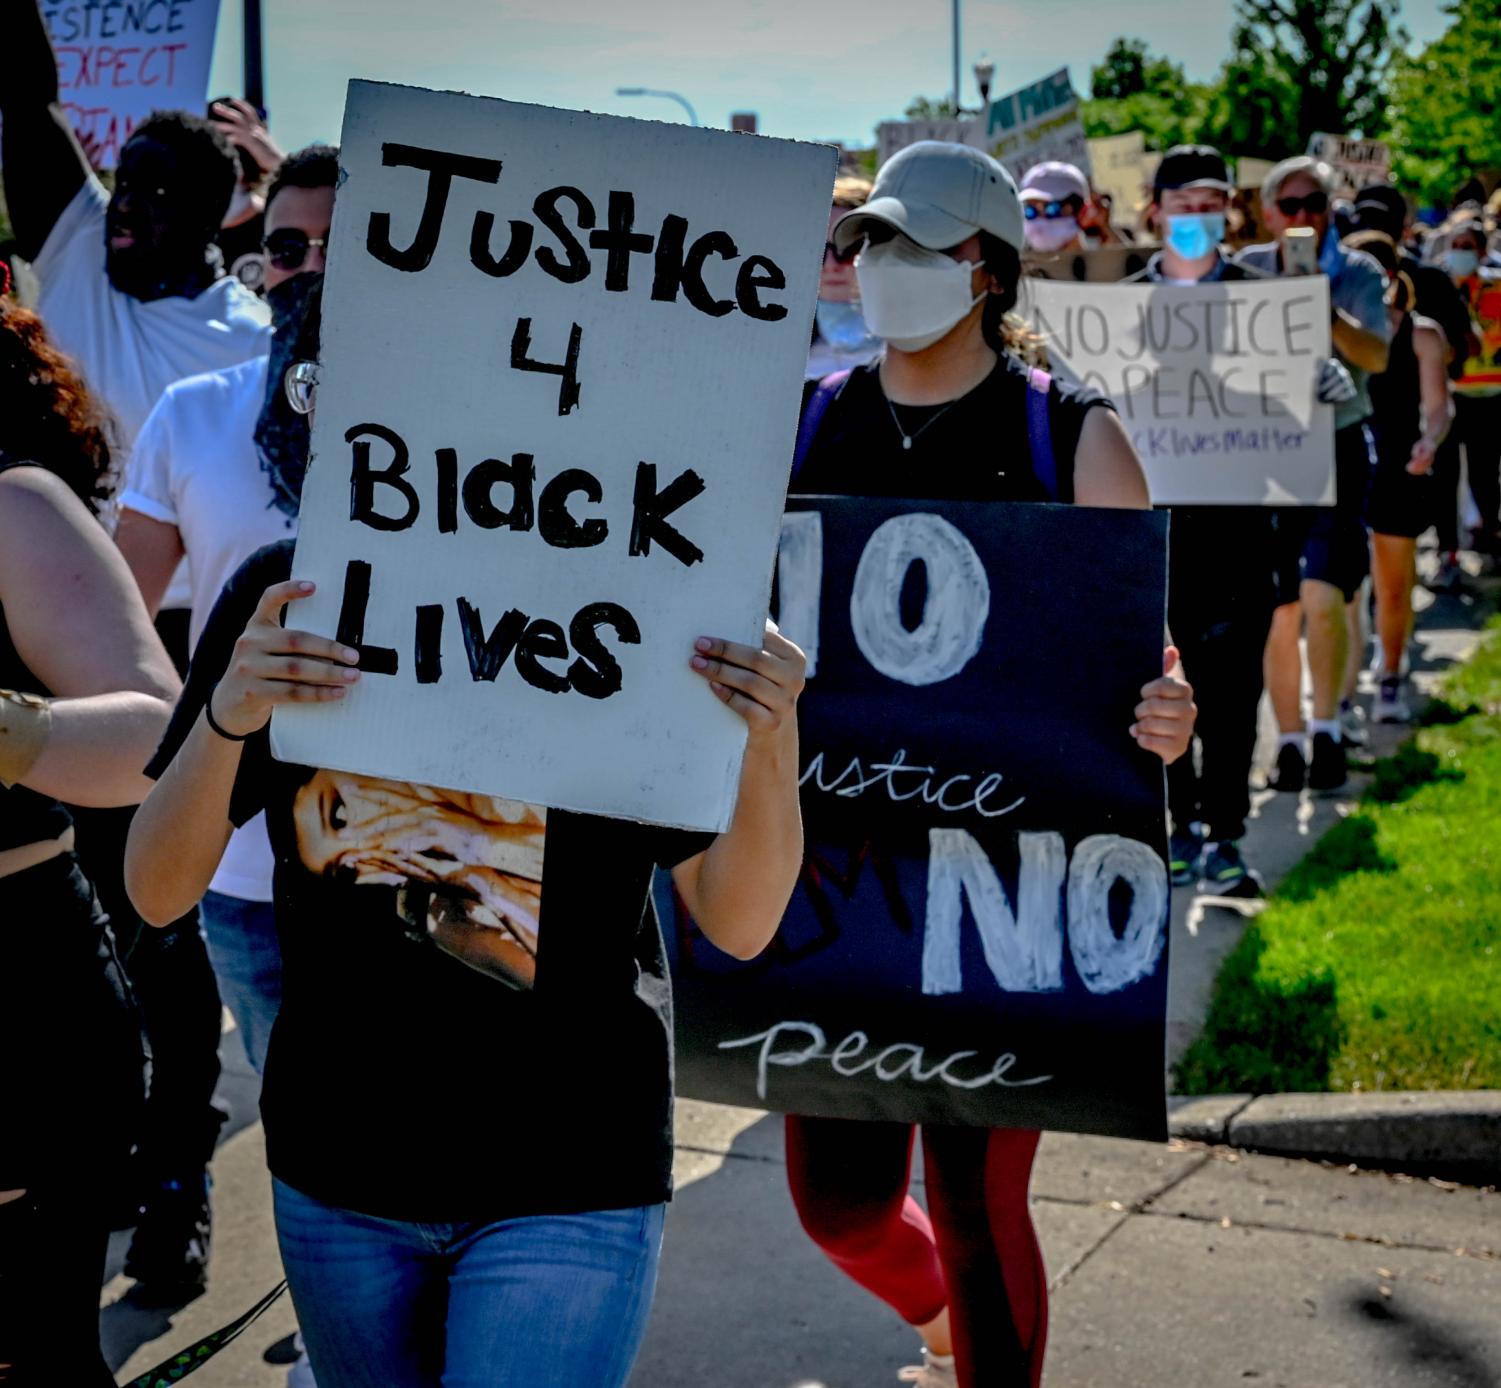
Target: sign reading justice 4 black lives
[[980, 932], [561, 370]]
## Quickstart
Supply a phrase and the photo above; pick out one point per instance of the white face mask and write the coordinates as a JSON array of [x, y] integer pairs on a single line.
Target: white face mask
[[1461, 263], [1050, 234], [911, 297]]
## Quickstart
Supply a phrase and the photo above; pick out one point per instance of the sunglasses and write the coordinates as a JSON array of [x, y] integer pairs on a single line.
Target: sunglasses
[[1315, 204], [287, 248], [1050, 211], [840, 257]]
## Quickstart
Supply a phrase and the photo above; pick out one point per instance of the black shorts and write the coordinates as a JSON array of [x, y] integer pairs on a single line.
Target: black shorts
[[1329, 543]]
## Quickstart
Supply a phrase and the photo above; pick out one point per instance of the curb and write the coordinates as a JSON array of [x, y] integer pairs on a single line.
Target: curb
[[1456, 1134]]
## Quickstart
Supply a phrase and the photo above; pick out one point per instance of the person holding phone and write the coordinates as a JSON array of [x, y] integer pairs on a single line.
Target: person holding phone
[[1323, 553]]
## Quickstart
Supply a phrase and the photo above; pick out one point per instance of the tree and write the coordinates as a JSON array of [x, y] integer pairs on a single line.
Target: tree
[[1444, 103], [1300, 66], [1129, 69]]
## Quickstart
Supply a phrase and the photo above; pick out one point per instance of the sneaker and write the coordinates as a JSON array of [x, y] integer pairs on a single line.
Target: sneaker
[[1224, 872], [1449, 577], [169, 1252], [1183, 850], [1328, 771], [1291, 769], [1352, 723], [935, 1371], [1391, 705]]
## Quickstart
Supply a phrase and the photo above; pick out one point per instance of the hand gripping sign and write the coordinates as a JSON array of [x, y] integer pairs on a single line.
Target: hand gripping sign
[[980, 932], [562, 366]]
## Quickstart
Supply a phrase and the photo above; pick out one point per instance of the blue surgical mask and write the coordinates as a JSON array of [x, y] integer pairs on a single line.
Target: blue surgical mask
[[1461, 264], [841, 325], [1195, 234]]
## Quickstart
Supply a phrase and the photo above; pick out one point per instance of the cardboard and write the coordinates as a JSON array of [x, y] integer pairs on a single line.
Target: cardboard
[[1214, 382], [980, 933], [1357, 162], [1035, 124], [1124, 168], [893, 136], [588, 358], [1102, 265]]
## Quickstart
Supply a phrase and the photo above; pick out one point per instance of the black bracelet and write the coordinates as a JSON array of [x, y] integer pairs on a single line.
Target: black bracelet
[[208, 712]]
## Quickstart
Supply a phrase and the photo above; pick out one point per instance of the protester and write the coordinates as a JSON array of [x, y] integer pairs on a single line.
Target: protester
[[421, 1250], [840, 337], [939, 266], [1220, 581], [1061, 214], [259, 157], [1411, 414], [1323, 555], [85, 692]]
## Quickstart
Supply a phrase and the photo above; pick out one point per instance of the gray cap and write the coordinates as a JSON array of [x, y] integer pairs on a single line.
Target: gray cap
[[939, 194]]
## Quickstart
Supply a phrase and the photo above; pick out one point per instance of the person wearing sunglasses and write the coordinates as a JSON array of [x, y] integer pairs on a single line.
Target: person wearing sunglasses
[[841, 340], [215, 475], [1323, 552], [1059, 213]]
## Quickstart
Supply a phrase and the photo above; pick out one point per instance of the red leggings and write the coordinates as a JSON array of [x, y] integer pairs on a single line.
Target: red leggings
[[978, 1256]]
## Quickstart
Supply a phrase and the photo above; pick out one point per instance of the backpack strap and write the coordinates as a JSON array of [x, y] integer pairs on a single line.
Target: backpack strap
[[1040, 431], [817, 406]]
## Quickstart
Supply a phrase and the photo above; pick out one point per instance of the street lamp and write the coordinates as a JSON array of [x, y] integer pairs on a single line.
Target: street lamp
[[984, 75], [667, 96]]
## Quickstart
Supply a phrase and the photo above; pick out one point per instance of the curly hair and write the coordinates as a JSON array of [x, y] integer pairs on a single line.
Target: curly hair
[[47, 415], [207, 160], [316, 166]]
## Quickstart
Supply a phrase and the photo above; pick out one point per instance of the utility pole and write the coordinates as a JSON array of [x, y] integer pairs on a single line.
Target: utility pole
[[255, 66]]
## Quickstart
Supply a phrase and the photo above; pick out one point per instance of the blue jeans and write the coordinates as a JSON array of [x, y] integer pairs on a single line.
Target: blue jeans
[[549, 1301], [246, 957]]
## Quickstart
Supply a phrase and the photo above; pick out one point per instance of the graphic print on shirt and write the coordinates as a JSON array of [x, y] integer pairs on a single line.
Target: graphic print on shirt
[[468, 867]]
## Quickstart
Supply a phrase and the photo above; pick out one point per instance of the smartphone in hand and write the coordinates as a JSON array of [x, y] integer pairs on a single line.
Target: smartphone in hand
[[1300, 251]]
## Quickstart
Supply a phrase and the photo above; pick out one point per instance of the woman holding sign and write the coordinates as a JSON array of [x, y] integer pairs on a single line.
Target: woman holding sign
[[939, 266], [474, 995]]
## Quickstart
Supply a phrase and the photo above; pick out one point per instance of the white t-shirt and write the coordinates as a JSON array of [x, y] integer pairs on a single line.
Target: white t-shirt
[[195, 467]]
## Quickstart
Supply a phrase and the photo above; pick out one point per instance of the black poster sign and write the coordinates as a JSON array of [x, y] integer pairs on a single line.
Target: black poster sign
[[980, 932]]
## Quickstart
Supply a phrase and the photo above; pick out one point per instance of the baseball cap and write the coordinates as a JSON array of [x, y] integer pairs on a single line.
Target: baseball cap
[[1381, 208], [938, 194], [1192, 166], [1055, 181]]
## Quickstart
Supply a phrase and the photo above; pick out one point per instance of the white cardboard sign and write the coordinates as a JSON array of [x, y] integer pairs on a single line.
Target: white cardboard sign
[[1214, 382], [893, 136], [120, 60], [562, 363], [1358, 162]]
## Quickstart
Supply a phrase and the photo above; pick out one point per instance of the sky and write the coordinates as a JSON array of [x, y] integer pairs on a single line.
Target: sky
[[811, 72]]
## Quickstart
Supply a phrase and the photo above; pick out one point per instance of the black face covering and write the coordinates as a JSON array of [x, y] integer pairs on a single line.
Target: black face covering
[[281, 434]]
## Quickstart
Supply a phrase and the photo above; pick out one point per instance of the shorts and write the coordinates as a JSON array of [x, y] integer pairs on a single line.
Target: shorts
[[1329, 544], [1400, 504]]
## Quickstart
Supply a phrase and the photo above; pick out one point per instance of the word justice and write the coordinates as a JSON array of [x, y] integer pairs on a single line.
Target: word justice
[[679, 261]]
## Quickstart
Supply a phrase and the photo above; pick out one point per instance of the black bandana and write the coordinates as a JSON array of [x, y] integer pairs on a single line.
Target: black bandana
[[281, 434]]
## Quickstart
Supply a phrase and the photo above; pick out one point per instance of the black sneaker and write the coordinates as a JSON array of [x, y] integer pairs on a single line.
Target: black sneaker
[[1291, 769], [1183, 850], [1328, 771], [1224, 873], [168, 1255]]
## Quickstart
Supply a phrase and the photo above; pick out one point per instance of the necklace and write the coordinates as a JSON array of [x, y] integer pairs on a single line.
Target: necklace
[[916, 433]]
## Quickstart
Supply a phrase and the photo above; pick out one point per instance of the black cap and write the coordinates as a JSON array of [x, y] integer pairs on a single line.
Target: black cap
[[1381, 208], [1192, 166]]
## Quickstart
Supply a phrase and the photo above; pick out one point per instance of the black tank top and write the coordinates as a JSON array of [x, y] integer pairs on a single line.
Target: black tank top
[[1397, 401], [25, 816]]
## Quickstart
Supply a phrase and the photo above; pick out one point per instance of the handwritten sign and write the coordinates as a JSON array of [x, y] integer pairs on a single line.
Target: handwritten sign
[[1214, 382], [562, 365], [980, 932], [119, 60], [1124, 169], [1034, 124], [1358, 162], [893, 136]]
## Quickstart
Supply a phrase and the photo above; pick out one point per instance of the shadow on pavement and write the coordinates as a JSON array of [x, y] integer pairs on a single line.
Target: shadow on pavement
[[1423, 1342]]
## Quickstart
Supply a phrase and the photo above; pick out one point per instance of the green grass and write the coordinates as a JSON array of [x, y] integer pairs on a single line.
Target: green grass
[[1377, 964]]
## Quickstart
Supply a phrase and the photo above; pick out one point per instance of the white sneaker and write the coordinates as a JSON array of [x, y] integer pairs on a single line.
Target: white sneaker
[[935, 1371], [1391, 705], [1352, 724], [300, 1375]]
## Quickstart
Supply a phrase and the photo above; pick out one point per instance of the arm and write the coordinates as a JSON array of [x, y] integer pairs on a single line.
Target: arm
[[152, 550], [179, 833], [43, 164], [738, 888], [1358, 345], [1107, 471], [79, 625], [1438, 406]]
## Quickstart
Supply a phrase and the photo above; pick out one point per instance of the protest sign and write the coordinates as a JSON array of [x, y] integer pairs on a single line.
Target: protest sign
[[1483, 368], [120, 60], [893, 136], [1100, 265], [980, 932], [1214, 382], [1124, 169], [1358, 163], [1034, 124], [1251, 172], [562, 363]]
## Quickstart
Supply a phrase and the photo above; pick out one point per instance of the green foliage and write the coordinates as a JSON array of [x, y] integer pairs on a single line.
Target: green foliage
[[1444, 103], [1164, 119], [929, 108], [1377, 965], [1130, 69]]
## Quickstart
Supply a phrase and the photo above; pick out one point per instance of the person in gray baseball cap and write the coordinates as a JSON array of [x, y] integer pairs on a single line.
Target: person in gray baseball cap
[[954, 410]]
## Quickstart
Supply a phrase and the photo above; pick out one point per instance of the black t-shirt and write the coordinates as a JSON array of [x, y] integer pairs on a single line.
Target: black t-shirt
[[403, 1082], [971, 449]]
